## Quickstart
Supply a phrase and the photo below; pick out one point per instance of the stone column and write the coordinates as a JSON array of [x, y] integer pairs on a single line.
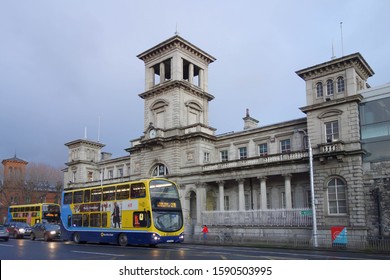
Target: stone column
[[201, 78], [287, 191], [263, 193], [162, 72], [221, 195], [200, 201], [241, 197], [191, 73]]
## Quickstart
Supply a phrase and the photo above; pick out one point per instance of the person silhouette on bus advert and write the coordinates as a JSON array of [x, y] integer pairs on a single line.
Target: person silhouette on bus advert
[[116, 216]]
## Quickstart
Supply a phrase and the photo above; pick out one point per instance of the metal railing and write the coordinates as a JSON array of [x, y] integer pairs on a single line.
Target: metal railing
[[300, 217]]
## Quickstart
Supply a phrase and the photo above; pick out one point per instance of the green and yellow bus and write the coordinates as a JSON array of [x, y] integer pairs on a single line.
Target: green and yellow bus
[[135, 212], [34, 213]]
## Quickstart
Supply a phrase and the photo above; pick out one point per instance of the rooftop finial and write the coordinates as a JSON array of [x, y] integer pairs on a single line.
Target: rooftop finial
[[342, 43], [176, 32], [247, 112]]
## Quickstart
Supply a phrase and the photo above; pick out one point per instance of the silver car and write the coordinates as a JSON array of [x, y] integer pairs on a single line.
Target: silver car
[[19, 229], [45, 231], [4, 233]]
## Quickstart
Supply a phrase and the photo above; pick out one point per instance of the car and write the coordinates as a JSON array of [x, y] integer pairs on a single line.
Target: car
[[4, 233], [46, 231], [19, 229]]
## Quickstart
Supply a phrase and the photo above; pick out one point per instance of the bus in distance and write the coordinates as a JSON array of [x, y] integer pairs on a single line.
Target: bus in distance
[[34, 213], [134, 212]]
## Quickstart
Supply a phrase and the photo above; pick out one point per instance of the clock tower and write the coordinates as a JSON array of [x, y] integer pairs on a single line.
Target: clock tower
[[176, 89]]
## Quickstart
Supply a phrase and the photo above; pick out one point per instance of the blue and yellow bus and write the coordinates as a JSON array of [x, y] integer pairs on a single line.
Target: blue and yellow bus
[[34, 213], [137, 212]]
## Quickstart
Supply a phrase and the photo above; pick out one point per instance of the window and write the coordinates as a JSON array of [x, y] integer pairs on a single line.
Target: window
[[320, 89], [332, 131], [122, 192], [78, 197], [110, 174], [160, 170], [108, 193], [120, 172], [96, 195], [285, 146], [247, 202], [138, 190], [206, 157], [337, 201], [263, 149], [224, 155], [340, 85], [242, 153], [90, 176], [329, 87]]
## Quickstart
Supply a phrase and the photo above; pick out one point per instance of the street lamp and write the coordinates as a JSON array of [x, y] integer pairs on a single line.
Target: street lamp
[[313, 204]]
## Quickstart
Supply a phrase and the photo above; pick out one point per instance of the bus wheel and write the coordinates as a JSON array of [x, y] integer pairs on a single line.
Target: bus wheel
[[122, 239], [76, 238]]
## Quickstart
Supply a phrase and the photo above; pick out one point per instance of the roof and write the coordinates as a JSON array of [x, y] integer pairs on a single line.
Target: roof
[[14, 159]]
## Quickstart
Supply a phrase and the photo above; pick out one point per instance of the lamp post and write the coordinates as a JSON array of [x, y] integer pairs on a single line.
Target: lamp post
[[313, 204]]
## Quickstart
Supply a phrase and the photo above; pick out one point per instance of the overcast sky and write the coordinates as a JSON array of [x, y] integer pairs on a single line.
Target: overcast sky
[[66, 64]]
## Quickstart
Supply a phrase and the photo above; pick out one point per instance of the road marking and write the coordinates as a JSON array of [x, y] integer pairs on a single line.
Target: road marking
[[97, 253], [6, 245]]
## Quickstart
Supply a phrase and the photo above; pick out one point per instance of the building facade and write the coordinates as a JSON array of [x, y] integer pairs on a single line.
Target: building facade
[[256, 180]]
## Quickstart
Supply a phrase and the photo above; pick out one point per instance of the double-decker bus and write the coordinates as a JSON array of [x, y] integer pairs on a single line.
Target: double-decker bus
[[34, 213], [135, 212]]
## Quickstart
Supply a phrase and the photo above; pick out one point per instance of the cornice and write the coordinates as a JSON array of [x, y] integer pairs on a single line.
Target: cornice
[[355, 60], [162, 88], [175, 42]]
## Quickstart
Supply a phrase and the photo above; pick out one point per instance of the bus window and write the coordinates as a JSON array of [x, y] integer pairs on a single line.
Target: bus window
[[85, 220], [108, 193], [78, 197], [95, 219], [138, 190], [68, 198], [87, 195], [122, 192], [104, 219], [77, 220], [140, 219], [96, 195]]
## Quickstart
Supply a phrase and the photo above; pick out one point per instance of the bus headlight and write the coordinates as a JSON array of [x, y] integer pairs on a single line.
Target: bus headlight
[[156, 237], [181, 236], [53, 232]]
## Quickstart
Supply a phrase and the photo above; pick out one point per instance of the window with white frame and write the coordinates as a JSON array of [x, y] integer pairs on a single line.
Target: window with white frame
[[110, 174], [120, 172], [242, 153], [285, 146], [247, 201], [340, 84], [159, 170], [263, 149], [329, 87], [337, 197], [224, 155], [206, 157], [90, 176], [319, 89], [332, 131]]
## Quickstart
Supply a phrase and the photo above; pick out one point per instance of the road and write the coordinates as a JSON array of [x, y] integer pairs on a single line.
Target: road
[[25, 249]]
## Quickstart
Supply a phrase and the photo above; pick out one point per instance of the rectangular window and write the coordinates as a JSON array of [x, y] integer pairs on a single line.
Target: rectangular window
[[263, 149], [242, 153], [87, 195], [78, 197], [247, 201], [90, 176], [285, 146], [138, 190], [67, 197], [110, 174], [224, 155], [96, 195], [120, 172], [332, 131], [122, 192], [95, 220], [108, 193], [206, 157]]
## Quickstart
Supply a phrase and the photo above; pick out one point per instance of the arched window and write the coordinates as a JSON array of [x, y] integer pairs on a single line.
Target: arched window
[[329, 87], [340, 84], [159, 170], [320, 89], [337, 196]]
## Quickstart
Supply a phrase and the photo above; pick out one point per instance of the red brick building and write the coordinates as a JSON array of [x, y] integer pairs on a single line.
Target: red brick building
[[16, 190]]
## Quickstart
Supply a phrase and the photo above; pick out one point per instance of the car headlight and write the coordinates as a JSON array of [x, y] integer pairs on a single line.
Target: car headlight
[[53, 232], [21, 230]]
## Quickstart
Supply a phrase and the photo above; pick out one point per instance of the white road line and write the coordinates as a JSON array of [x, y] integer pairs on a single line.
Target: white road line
[[6, 245], [97, 253]]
